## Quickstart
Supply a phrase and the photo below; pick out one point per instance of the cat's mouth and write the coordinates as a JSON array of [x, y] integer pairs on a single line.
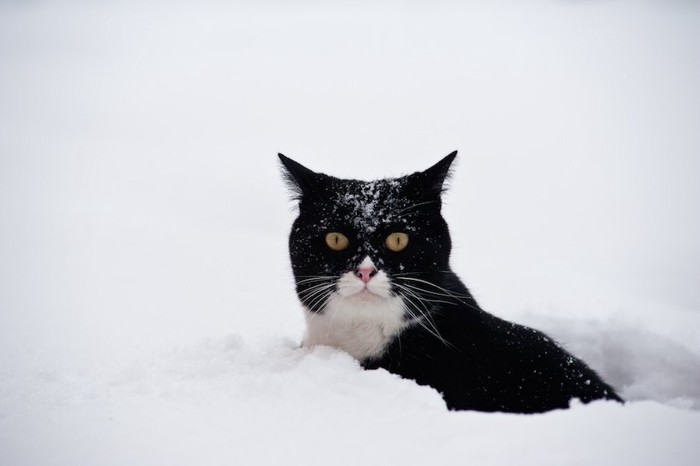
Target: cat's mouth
[[350, 286], [363, 292]]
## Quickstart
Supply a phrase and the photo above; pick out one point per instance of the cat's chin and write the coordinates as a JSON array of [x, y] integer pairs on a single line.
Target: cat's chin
[[366, 296]]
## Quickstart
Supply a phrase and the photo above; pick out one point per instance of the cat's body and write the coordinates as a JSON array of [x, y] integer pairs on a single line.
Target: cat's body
[[371, 262]]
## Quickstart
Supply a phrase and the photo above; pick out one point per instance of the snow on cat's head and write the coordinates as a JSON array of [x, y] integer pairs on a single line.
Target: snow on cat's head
[[352, 236]]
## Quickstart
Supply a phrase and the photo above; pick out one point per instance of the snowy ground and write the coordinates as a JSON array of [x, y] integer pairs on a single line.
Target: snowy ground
[[147, 314]]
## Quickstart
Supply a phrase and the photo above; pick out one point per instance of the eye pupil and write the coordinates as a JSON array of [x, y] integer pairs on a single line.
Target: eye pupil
[[337, 241], [397, 242]]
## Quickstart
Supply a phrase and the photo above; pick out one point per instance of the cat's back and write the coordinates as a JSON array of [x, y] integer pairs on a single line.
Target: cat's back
[[484, 363]]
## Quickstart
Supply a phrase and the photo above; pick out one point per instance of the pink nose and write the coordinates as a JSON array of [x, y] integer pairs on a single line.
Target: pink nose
[[366, 273]]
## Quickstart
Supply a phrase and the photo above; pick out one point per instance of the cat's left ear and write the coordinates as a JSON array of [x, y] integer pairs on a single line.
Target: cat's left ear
[[435, 176], [299, 178]]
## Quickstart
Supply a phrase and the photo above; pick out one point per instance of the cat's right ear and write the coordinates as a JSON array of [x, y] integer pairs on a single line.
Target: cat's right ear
[[299, 178], [434, 178]]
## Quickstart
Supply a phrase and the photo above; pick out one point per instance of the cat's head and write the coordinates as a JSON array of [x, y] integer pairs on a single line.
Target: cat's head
[[366, 240]]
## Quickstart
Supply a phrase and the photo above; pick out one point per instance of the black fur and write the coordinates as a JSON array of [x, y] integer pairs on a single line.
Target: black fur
[[476, 360]]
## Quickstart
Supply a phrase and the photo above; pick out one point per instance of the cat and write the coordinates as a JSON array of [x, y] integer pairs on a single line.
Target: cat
[[371, 262]]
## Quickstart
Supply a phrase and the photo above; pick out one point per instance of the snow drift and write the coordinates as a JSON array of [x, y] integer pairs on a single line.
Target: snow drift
[[147, 314]]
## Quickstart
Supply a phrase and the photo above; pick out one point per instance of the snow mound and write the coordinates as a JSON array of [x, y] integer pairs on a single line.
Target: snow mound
[[271, 372], [641, 364], [225, 401]]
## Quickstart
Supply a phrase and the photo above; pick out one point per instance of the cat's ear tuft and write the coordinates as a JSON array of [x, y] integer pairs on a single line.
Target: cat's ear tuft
[[438, 174], [299, 179]]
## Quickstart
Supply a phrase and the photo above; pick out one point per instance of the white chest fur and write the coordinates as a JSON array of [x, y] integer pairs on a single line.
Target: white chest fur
[[361, 325]]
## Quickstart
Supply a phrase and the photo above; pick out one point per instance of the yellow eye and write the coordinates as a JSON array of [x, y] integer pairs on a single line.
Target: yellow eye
[[397, 241], [337, 241]]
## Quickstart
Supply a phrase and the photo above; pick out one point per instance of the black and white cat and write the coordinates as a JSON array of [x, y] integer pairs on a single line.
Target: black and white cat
[[371, 264]]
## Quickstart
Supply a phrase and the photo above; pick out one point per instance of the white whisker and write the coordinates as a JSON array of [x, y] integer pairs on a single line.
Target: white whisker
[[321, 298], [450, 293], [426, 314], [414, 206], [419, 321], [315, 279], [413, 289]]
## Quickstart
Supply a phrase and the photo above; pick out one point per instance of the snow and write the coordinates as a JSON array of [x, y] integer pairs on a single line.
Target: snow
[[367, 211], [228, 401], [147, 311]]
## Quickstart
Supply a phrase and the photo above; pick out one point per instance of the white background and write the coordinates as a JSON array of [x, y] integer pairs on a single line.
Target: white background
[[147, 313]]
